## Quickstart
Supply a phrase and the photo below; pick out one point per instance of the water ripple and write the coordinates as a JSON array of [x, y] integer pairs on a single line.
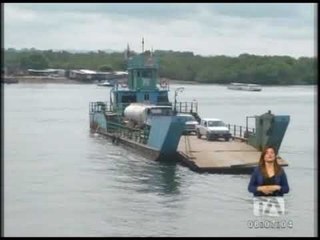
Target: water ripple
[[60, 178]]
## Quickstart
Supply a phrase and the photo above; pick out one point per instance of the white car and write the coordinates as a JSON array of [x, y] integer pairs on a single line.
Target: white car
[[213, 128], [190, 123]]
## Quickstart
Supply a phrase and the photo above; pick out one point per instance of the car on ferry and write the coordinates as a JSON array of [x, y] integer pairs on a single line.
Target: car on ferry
[[190, 123], [213, 129]]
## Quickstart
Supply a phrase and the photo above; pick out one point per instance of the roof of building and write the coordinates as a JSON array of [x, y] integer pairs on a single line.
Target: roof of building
[[87, 71], [120, 73], [49, 70], [211, 119]]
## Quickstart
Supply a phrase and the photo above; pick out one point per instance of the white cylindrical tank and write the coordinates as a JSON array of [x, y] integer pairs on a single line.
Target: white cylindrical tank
[[137, 113]]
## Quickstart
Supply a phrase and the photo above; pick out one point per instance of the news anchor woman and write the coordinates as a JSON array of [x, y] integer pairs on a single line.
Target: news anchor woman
[[269, 178]]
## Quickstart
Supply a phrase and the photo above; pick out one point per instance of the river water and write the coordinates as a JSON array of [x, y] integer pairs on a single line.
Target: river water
[[61, 180]]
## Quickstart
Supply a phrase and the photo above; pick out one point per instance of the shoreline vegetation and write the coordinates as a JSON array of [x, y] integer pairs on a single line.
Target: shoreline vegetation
[[185, 66], [64, 80]]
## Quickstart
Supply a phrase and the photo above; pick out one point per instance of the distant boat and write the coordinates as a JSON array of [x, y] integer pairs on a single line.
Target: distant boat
[[245, 87], [106, 83]]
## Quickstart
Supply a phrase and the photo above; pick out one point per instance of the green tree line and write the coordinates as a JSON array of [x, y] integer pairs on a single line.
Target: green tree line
[[185, 66]]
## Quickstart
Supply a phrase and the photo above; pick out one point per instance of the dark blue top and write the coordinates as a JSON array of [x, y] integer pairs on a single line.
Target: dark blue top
[[257, 180], [269, 180]]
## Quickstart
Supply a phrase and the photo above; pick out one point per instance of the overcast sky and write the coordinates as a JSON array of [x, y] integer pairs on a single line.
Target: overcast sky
[[205, 28]]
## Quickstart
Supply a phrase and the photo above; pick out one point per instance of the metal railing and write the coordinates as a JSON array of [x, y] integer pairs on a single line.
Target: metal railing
[[240, 131], [107, 107], [187, 107], [100, 107], [137, 135], [181, 107], [116, 128]]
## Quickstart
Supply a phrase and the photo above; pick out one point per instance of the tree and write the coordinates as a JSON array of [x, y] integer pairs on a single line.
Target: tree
[[34, 61], [105, 68]]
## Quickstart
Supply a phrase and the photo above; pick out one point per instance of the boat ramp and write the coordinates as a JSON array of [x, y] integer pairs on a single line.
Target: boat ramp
[[231, 157]]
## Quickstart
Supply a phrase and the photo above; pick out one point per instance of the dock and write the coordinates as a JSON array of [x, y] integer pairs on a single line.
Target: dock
[[232, 157], [9, 80]]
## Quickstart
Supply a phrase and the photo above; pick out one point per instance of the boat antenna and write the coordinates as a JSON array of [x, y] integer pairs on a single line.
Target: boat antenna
[[127, 52], [142, 44]]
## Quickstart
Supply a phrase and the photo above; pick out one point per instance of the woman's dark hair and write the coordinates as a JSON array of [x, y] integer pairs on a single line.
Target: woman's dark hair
[[262, 164]]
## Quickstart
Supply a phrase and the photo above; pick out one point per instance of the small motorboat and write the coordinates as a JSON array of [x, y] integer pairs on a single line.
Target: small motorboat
[[106, 83]]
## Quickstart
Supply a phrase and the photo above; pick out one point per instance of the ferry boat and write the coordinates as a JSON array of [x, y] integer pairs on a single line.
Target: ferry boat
[[139, 113], [244, 86]]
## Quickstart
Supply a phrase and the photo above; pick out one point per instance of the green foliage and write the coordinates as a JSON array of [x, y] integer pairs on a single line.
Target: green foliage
[[34, 61], [247, 68], [105, 68]]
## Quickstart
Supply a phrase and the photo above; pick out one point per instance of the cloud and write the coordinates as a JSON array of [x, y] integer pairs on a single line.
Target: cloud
[[206, 29], [261, 10], [143, 11]]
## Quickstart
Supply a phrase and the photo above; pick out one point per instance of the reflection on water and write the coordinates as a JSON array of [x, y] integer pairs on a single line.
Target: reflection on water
[[169, 178], [161, 178], [134, 171]]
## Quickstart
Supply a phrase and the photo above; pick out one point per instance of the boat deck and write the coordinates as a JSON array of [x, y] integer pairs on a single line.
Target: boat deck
[[232, 157]]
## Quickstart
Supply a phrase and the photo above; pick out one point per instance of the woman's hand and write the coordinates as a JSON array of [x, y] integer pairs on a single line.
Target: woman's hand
[[268, 189], [264, 189], [274, 187]]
